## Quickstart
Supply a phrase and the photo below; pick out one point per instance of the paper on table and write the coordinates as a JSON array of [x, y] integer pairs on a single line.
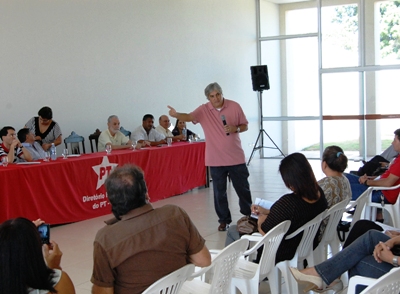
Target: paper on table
[[263, 203], [28, 162], [73, 155]]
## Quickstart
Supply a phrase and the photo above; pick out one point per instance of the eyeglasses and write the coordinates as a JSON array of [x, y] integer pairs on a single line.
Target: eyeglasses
[[45, 120]]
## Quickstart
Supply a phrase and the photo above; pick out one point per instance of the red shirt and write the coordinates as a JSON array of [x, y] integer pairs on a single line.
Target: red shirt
[[394, 168]]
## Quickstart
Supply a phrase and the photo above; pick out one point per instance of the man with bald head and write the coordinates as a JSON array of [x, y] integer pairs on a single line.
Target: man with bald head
[[164, 124], [113, 136]]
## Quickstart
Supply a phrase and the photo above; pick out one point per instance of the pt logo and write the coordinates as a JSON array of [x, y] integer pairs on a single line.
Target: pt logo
[[103, 170]]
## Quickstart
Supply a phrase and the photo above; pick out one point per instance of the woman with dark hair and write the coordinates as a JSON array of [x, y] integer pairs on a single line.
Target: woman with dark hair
[[45, 129], [335, 185], [179, 126], [23, 269], [306, 201]]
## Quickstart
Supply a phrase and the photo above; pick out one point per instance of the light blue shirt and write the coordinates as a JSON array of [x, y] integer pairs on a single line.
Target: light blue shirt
[[35, 150]]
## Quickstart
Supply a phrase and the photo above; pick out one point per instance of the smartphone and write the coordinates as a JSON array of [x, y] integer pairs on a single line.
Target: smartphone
[[44, 232]]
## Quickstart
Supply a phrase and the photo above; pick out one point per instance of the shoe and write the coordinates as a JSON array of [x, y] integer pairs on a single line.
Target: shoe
[[336, 286], [223, 227], [314, 283]]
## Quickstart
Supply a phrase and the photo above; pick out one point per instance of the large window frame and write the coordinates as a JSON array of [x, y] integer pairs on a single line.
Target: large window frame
[[368, 118]]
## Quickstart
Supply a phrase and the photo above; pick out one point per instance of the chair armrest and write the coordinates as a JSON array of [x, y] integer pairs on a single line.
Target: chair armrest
[[385, 188], [252, 238], [201, 271], [358, 280], [351, 205], [295, 233]]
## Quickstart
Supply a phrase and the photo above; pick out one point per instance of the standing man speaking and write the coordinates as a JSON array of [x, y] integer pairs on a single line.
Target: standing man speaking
[[222, 120]]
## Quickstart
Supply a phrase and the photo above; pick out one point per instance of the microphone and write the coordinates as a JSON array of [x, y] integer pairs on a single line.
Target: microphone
[[224, 122]]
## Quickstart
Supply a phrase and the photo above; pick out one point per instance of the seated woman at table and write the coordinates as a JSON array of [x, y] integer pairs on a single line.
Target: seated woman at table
[[45, 129], [23, 268], [369, 256], [179, 126], [306, 201]]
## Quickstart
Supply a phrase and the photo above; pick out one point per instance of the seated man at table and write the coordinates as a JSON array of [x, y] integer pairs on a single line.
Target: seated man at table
[[11, 147], [27, 139], [146, 134], [113, 136], [163, 128], [141, 244]]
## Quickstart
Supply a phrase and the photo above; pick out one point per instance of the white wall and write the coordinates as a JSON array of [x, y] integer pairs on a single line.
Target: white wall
[[88, 59]]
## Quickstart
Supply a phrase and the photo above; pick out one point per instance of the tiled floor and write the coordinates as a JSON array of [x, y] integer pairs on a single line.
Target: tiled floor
[[76, 239]]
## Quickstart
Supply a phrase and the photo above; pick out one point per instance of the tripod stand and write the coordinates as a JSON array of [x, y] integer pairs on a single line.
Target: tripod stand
[[260, 135]]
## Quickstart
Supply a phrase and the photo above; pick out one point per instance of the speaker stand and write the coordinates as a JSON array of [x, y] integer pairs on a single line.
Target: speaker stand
[[259, 144]]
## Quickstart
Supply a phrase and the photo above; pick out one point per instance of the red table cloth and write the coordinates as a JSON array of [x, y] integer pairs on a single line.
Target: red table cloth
[[70, 190]]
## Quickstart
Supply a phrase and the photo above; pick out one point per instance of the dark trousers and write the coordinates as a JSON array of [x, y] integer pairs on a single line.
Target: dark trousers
[[239, 175]]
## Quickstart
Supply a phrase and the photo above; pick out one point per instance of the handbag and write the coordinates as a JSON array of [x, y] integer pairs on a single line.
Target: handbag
[[247, 225], [342, 228]]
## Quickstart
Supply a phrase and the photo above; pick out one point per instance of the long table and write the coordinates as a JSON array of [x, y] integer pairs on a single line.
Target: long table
[[72, 189]]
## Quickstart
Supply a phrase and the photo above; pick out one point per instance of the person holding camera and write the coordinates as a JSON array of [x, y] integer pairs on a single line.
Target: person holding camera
[[26, 267]]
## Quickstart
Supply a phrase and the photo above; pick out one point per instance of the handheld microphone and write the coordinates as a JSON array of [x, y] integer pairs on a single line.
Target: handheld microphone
[[224, 122]]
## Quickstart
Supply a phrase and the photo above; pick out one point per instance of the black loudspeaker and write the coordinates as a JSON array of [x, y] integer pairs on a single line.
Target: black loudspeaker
[[259, 77]]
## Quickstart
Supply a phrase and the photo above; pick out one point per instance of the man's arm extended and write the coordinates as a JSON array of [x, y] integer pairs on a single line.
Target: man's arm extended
[[181, 116]]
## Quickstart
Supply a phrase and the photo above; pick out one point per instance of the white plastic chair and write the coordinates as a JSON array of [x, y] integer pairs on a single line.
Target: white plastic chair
[[247, 274], [359, 205], [387, 284], [304, 251], [330, 237], [223, 265], [392, 209], [172, 283]]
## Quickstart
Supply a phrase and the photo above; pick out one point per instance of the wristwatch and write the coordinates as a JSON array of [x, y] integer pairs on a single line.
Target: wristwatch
[[395, 261], [238, 130]]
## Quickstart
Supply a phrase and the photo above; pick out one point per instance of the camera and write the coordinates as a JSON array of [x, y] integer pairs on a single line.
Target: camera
[[44, 232]]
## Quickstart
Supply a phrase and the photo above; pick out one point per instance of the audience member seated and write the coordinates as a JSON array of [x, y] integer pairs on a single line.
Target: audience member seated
[[378, 164], [306, 201], [45, 129], [146, 134], [335, 185], [113, 136], [369, 255], [163, 128], [23, 261], [141, 244], [27, 139], [390, 178], [177, 131], [11, 143]]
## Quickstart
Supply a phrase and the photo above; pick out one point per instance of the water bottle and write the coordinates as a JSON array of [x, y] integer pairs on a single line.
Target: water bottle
[[184, 134], [53, 152]]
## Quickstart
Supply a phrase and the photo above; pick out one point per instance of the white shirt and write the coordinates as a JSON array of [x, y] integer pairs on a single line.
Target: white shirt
[[106, 137], [165, 132], [140, 134]]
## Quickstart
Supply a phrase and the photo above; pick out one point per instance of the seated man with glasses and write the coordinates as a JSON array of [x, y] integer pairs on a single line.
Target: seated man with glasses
[[27, 139], [11, 148]]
